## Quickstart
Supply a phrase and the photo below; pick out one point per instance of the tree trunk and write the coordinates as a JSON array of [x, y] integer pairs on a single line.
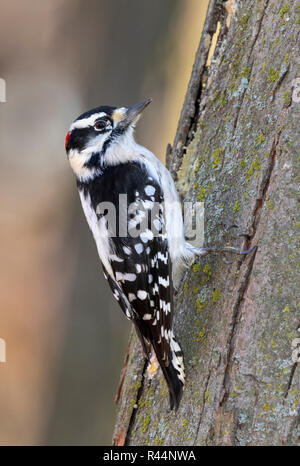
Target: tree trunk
[[237, 148]]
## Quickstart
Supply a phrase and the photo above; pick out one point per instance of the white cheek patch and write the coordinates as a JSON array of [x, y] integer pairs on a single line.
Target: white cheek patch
[[95, 144], [78, 160]]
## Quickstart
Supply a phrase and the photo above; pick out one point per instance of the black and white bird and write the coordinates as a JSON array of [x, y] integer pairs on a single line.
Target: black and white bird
[[131, 205]]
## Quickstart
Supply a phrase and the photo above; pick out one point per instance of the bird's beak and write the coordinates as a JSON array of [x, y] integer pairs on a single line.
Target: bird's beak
[[132, 113]]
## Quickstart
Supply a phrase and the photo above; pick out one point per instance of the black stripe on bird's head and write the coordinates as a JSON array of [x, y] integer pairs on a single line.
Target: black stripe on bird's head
[[95, 127], [94, 131]]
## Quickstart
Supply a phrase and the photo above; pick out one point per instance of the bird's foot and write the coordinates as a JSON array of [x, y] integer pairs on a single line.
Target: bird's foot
[[227, 249], [223, 251], [245, 235]]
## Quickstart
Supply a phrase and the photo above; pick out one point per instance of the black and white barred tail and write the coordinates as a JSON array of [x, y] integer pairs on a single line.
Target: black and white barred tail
[[173, 372]]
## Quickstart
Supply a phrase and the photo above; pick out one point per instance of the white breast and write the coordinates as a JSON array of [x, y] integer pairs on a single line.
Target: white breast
[[99, 231]]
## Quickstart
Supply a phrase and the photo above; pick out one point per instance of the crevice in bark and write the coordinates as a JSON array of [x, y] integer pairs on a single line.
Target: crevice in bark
[[235, 320], [202, 410], [259, 27], [279, 82], [290, 379], [135, 407], [244, 285], [123, 373], [265, 184], [251, 65]]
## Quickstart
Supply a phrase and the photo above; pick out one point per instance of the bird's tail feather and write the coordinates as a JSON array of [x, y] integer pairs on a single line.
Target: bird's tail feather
[[173, 372]]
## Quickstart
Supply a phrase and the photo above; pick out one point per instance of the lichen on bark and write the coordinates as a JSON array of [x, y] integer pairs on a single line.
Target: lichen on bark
[[237, 148]]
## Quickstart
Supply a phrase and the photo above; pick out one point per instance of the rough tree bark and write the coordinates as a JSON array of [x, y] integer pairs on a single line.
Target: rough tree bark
[[237, 148]]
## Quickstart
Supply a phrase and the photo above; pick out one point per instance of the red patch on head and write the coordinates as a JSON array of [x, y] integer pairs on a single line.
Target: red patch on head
[[67, 139]]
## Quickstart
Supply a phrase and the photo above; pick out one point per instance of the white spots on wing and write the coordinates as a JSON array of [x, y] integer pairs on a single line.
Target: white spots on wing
[[119, 276], [151, 302], [177, 360], [157, 315], [157, 224], [131, 297], [150, 278], [164, 282], [137, 193], [146, 236], [116, 295], [167, 336], [127, 250], [155, 288], [153, 261], [141, 294], [138, 268], [139, 248], [133, 223], [175, 346], [147, 204], [137, 219], [148, 250], [147, 317], [149, 190], [163, 258], [130, 277], [115, 258], [166, 307]]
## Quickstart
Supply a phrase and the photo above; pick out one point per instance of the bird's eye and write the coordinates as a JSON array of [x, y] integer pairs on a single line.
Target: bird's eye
[[100, 124]]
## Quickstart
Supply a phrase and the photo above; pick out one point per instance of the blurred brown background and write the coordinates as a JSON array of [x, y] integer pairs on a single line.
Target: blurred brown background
[[65, 335]]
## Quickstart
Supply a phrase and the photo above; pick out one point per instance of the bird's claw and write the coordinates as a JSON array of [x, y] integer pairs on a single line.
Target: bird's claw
[[238, 235], [223, 251]]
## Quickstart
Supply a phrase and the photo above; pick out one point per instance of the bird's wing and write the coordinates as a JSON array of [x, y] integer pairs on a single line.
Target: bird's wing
[[142, 269]]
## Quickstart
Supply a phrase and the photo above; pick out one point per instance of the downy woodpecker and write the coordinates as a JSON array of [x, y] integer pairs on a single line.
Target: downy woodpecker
[[143, 250]]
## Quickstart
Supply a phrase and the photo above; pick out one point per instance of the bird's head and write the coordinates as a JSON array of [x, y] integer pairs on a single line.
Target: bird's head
[[102, 136]]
